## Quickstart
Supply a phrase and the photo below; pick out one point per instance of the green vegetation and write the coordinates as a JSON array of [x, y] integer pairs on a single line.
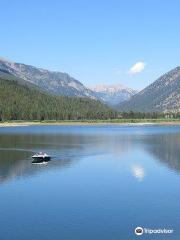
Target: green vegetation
[[92, 122], [20, 102], [148, 115]]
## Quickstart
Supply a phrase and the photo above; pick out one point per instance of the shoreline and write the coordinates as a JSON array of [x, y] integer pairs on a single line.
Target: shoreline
[[26, 124]]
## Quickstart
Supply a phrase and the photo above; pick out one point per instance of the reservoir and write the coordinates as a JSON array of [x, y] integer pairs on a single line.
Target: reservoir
[[101, 183]]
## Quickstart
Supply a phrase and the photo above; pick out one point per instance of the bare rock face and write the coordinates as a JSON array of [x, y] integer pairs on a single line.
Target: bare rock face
[[54, 82], [113, 94], [163, 95]]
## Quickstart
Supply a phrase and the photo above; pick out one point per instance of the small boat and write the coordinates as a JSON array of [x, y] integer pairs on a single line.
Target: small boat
[[41, 157]]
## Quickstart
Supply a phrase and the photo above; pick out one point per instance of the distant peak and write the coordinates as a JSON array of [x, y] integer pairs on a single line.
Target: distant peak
[[105, 87]]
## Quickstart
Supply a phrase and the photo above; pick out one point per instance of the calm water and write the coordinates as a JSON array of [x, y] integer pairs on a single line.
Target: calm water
[[102, 183]]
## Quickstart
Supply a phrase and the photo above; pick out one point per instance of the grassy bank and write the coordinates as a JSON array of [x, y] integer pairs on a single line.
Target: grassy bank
[[163, 121]]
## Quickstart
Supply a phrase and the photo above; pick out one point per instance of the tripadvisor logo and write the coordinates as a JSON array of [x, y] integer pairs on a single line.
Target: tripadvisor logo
[[139, 231]]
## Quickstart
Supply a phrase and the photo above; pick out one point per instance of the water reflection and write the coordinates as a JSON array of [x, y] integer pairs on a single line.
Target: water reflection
[[17, 164], [16, 151], [65, 149], [102, 182], [68, 147], [166, 149], [138, 172], [42, 161]]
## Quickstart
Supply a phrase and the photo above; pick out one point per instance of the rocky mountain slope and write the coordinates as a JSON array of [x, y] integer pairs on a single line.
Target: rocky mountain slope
[[161, 96], [53, 82], [113, 94]]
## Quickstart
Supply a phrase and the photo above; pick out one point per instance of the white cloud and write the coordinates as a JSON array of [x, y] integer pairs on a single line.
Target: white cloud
[[161, 69], [137, 68], [119, 72]]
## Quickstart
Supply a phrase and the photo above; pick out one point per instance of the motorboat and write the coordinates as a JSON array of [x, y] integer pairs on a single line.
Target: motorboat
[[41, 157]]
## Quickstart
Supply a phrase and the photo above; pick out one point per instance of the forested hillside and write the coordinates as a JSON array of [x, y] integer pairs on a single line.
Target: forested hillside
[[20, 102]]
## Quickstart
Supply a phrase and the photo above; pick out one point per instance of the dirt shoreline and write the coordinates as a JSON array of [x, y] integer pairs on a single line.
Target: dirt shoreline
[[26, 124]]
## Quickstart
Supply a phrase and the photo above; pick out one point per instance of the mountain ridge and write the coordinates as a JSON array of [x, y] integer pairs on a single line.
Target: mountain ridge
[[54, 82], [163, 95], [113, 94]]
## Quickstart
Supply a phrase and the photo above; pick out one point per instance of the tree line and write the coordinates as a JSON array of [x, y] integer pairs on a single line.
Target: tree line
[[21, 102], [147, 115]]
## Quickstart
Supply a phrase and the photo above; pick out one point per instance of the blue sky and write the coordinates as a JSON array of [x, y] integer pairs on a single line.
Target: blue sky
[[95, 41]]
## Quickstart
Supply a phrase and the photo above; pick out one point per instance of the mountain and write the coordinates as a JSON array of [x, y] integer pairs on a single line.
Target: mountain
[[53, 82], [21, 102], [113, 94], [163, 95]]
